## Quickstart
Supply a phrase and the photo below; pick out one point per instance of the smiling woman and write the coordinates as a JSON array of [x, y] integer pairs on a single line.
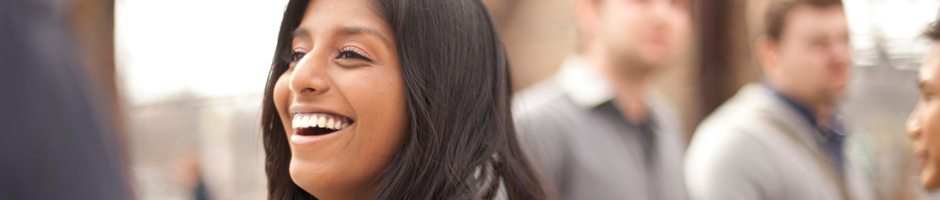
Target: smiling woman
[[391, 99]]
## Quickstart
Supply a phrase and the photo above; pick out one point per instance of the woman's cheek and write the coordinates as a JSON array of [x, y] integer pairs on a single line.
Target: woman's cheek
[[380, 95], [282, 96], [931, 132]]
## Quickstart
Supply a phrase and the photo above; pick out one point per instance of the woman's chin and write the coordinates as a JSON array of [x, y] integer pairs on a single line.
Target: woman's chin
[[307, 176], [321, 180], [931, 184], [929, 178]]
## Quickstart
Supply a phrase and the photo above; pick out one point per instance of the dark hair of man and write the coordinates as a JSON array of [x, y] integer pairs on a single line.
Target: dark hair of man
[[933, 31], [775, 19]]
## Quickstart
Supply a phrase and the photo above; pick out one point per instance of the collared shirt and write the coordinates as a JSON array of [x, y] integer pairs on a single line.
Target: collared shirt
[[755, 146], [584, 148], [833, 136]]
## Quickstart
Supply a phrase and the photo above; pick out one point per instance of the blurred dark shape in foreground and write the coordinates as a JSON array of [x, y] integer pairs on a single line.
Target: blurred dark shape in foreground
[[57, 140]]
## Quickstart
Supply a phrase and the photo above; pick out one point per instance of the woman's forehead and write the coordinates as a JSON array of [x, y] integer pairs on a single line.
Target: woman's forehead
[[345, 17]]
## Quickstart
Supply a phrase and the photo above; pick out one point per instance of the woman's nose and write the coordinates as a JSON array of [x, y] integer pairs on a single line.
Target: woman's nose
[[913, 125], [310, 75]]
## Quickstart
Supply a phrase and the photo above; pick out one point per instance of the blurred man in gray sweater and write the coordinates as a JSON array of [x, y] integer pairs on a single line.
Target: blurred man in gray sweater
[[783, 138], [596, 131]]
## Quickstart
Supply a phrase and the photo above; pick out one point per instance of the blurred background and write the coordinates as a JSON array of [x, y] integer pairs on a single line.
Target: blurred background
[[188, 77]]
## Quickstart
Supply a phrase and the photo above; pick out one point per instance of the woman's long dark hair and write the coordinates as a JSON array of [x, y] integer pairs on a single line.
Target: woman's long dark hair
[[457, 85]]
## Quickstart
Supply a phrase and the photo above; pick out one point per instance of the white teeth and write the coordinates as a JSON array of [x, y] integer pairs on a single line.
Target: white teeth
[[312, 121], [329, 123], [306, 121], [320, 120]]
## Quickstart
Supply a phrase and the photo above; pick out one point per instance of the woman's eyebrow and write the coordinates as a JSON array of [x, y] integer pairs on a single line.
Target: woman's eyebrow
[[358, 30], [346, 31], [300, 32]]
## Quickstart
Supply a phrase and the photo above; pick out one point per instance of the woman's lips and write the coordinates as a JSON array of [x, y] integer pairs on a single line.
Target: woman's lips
[[311, 127], [922, 157], [326, 121]]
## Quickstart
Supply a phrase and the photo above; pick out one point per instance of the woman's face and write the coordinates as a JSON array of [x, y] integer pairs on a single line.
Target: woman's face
[[342, 100], [924, 124]]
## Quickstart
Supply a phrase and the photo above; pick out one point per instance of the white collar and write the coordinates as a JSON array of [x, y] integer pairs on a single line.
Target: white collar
[[585, 87]]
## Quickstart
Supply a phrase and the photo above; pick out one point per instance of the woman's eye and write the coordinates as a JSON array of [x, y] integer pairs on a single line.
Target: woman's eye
[[296, 56], [350, 54]]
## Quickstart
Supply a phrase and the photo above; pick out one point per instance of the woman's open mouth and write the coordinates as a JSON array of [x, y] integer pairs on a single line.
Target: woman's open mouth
[[316, 124], [921, 157]]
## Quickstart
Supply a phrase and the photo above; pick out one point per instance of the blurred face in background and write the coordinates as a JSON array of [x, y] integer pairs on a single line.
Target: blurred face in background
[[924, 123], [342, 100], [636, 36], [811, 60]]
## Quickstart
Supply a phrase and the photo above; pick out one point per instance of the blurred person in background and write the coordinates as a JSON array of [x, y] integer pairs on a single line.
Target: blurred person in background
[[596, 130], [783, 138], [391, 100], [924, 123], [57, 141]]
